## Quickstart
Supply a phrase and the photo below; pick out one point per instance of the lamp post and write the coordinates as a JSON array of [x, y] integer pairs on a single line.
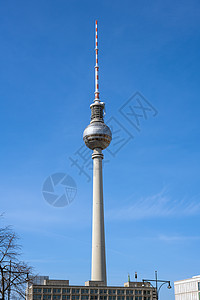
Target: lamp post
[[157, 281]]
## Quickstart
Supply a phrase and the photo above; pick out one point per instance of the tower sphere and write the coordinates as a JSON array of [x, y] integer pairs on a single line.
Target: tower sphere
[[97, 135]]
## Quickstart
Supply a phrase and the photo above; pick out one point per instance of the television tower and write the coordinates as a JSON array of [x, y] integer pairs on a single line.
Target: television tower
[[97, 136]]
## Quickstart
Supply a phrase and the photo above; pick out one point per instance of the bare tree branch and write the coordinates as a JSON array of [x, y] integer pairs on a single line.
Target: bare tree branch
[[14, 274]]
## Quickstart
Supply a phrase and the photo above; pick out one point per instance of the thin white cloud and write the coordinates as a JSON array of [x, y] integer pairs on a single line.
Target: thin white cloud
[[177, 238], [52, 216], [156, 206]]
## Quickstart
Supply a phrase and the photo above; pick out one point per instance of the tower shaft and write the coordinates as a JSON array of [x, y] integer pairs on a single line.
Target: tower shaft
[[98, 235]]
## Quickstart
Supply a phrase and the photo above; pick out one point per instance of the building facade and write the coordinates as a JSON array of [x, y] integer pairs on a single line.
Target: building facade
[[188, 289], [61, 290]]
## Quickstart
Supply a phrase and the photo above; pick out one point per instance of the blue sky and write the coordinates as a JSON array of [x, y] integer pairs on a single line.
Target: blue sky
[[151, 184]]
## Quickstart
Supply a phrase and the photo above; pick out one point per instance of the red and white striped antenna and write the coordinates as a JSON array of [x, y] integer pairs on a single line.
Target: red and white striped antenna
[[96, 66]]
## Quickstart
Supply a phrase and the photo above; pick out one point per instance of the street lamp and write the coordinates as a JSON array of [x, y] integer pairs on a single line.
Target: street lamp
[[157, 281]]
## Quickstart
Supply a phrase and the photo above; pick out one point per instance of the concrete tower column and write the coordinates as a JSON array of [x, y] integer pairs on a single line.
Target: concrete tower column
[[98, 235]]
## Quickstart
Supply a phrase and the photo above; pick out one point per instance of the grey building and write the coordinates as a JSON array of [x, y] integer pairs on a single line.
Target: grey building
[[61, 290]]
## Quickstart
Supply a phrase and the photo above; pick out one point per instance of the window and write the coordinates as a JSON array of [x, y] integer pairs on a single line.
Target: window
[[47, 291], [146, 292], [129, 292], [84, 291], [146, 298], [138, 292], [65, 297], [120, 298], [56, 297], [37, 290], [86, 297], [199, 286], [103, 297], [111, 292], [93, 291], [138, 298], [46, 297], [37, 296], [103, 292], [120, 292], [75, 291], [129, 298], [112, 298], [56, 291]]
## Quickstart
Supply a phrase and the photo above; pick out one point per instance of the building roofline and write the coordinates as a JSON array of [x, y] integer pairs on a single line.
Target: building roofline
[[194, 278]]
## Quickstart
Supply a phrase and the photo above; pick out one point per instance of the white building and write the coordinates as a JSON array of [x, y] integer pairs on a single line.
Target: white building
[[187, 289]]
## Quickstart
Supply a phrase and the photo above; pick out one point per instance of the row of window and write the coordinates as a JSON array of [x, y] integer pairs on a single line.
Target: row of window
[[67, 297], [74, 297], [91, 291]]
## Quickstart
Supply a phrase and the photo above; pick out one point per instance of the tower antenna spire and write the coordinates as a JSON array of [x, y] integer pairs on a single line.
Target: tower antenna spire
[[96, 65]]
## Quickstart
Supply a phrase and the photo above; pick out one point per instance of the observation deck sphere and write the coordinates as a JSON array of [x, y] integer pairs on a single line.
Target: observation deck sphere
[[97, 135]]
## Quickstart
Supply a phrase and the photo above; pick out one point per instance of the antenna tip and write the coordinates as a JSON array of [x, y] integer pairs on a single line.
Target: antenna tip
[[96, 22]]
